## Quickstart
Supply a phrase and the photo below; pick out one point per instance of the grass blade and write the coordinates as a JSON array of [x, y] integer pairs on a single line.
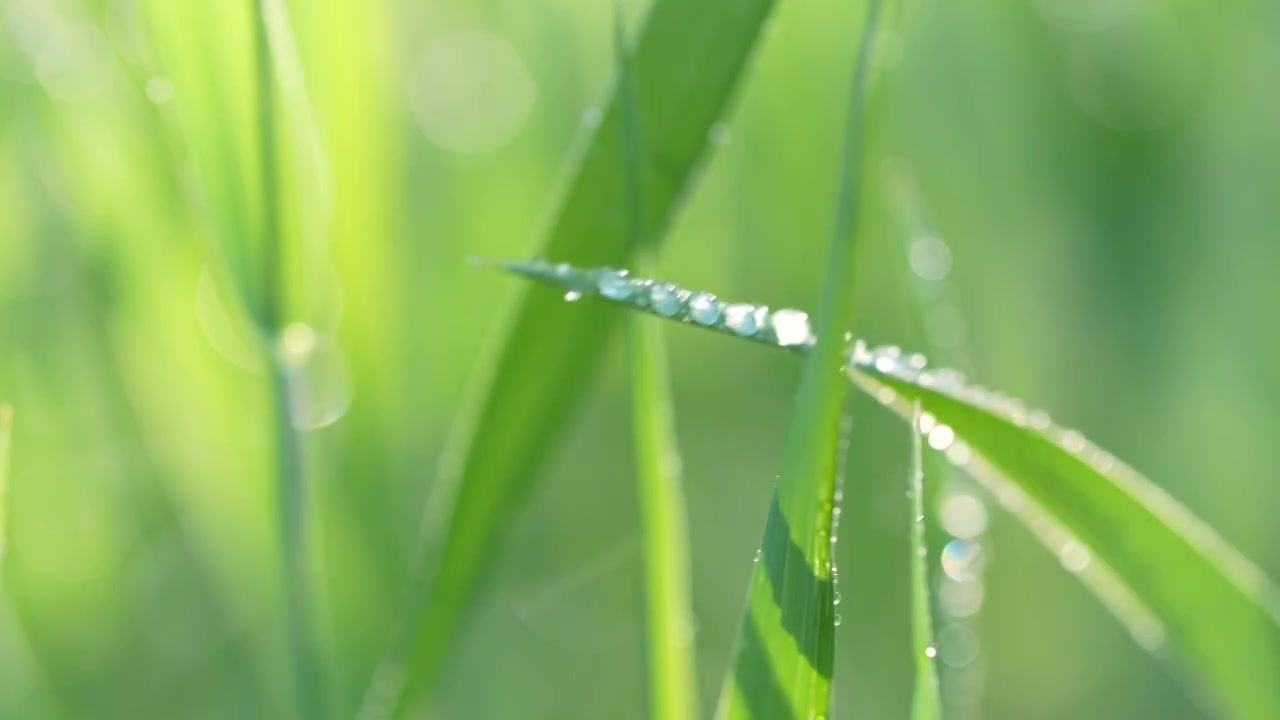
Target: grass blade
[[291, 485], [926, 703], [786, 648], [663, 523], [6, 440], [1160, 569], [687, 62]]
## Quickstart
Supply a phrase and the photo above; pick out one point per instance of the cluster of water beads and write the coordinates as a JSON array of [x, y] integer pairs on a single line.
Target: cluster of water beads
[[785, 327]]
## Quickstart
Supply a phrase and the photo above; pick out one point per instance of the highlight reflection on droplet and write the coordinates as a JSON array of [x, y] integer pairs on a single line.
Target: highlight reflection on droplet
[[941, 437], [962, 559]]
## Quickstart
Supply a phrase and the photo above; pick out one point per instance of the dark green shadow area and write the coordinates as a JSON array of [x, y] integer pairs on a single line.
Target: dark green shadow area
[[756, 679], [805, 603], [788, 568]]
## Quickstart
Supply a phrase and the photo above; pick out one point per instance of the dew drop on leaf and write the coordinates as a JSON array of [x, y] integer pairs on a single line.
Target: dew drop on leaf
[[792, 328], [664, 300], [741, 319], [704, 309], [614, 285]]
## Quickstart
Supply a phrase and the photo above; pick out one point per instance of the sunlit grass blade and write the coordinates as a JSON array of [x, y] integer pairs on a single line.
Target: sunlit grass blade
[[786, 649], [1166, 575], [926, 704], [687, 62], [663, 522]]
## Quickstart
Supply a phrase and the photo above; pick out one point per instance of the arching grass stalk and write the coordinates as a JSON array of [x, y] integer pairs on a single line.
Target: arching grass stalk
[[290, 476], [663, 522]]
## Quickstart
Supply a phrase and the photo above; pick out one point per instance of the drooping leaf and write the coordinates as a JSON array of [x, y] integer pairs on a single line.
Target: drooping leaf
[[1165, 574], [687, 61]]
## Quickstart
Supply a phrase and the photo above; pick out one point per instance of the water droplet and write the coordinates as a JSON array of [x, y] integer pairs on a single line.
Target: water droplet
[[917, 361], [962, 559], [930, 258], [741, 319], [1073, 441], [704, 309], [297, 343], [959, 453], [886, 364], [960, 599], [572, 296], [941, 437], [1103, 462], [922, 552], [664, 299], [614, 284], [757, 557], [837, 620], [792, 328], [1073, 556], [886, 395], [963, 515], [931, 651], [319, 381], [719, 134], [836, 600], [926, 423], [1039, 419]]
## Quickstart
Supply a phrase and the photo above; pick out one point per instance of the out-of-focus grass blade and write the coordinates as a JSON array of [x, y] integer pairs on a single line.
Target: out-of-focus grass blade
[[1165, 574], [6, 434], [786, 648], [664, 526], [687, 62], [926, 703]]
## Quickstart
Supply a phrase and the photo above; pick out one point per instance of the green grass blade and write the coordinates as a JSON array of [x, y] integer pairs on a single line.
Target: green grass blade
[[1161, 570], [687, 62], [926, 703], [1164, 573], [786, 648], [6, 440], [663, 522], [290, 477], [665, 545]]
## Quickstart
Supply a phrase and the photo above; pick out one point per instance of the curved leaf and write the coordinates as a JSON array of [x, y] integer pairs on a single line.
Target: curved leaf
[[1170, 578]]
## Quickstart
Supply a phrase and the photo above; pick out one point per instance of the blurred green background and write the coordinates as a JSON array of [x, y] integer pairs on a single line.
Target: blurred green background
[[1104, 172]]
